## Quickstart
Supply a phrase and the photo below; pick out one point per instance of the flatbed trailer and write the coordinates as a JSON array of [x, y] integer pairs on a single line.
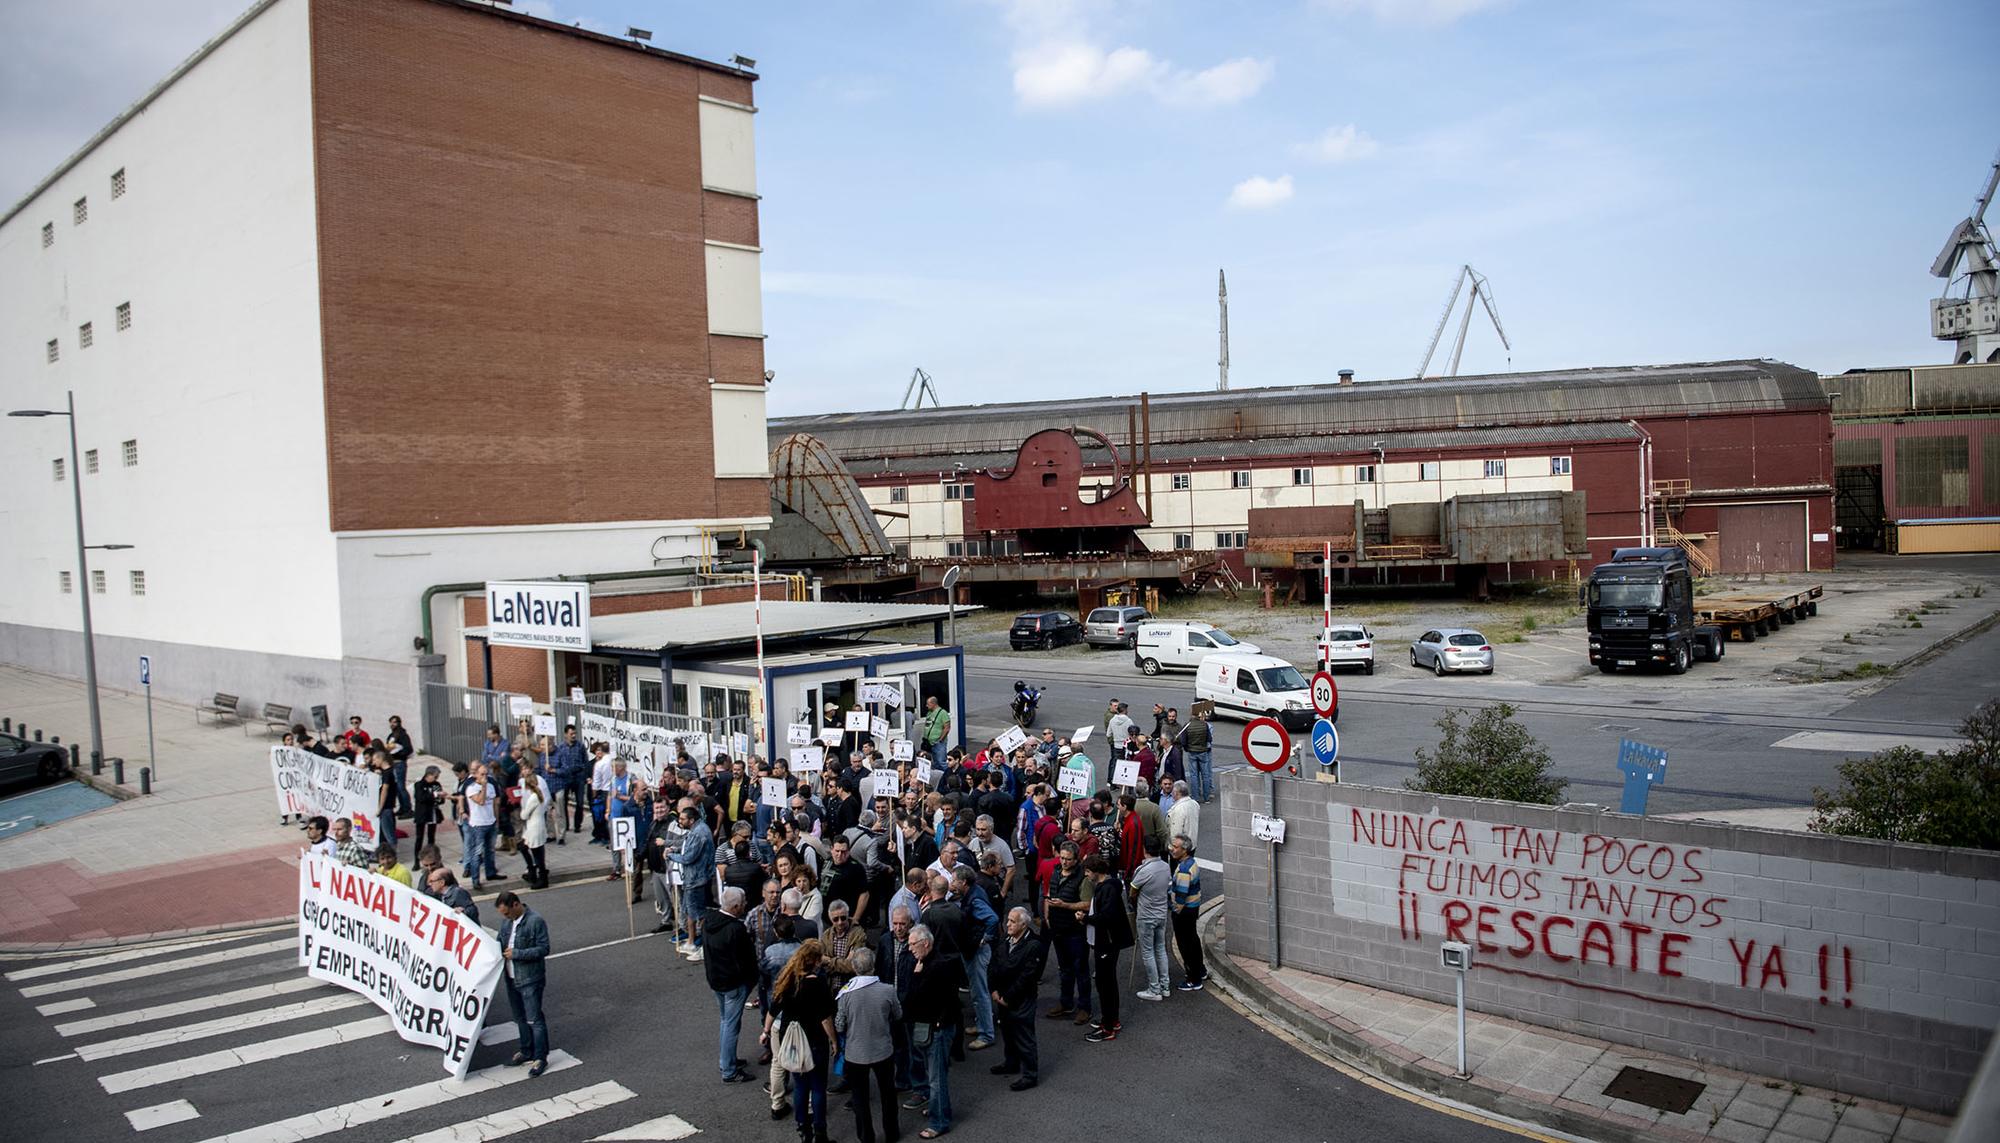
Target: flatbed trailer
[[1744, 616]]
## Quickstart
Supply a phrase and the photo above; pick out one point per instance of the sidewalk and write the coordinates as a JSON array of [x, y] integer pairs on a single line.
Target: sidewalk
[[1542, 1076], [205, 850]]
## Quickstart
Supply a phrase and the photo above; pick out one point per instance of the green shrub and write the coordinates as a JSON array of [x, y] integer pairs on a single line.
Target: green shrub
[[1951, 797], [1491, 756]]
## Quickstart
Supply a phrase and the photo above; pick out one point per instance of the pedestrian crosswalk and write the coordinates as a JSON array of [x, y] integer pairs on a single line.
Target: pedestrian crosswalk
[[179, 1041]]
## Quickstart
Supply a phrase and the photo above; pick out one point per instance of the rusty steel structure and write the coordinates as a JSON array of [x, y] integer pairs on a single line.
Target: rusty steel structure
[[818, 513]]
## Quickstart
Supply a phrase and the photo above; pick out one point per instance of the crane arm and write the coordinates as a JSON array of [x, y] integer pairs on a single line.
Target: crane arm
[[1444, 317], [1486, 299]]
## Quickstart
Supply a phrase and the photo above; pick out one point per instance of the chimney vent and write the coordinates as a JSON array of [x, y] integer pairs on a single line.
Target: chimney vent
[[1347, 377]]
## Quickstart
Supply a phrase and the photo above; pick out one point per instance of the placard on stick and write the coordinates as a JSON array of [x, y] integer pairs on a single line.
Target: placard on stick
[[830, 737], [1011, 739], [1074, 779], [857, 721], [887, 785], [902, 750], [1125, 773], [520, 706], [773, 792], [545, 724], [798, 734], [1081, 736], [808, 760]]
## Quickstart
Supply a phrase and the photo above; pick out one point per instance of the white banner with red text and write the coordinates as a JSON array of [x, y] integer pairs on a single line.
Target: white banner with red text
[[309, 785]]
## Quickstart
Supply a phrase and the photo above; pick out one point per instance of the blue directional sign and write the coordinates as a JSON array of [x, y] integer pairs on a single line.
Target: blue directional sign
[[145, 670], [1326, 742], [1644, 767]]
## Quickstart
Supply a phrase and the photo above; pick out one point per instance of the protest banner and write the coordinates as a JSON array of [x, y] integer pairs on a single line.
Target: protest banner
[[432, 970], [798, 734], [309, 785]]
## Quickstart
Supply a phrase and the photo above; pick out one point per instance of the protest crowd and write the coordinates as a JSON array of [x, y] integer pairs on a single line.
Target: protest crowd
[[868, 920]]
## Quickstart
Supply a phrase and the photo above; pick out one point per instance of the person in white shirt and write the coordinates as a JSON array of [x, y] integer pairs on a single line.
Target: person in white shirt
[[1184, 818], [481, 815], [985, 841], [600, 790], [316, 839]]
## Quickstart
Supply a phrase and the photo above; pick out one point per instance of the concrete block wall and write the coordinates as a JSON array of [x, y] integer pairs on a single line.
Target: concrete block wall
[[1864, 967]]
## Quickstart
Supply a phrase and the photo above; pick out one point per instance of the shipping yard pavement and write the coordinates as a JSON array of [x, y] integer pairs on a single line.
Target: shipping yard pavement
[[227, 1038]]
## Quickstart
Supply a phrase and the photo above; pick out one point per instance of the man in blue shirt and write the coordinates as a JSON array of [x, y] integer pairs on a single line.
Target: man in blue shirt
[[696, 861], [571, 765]]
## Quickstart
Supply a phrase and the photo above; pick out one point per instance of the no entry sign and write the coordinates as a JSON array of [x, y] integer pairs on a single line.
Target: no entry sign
[[1265, 744], [1324, 694]]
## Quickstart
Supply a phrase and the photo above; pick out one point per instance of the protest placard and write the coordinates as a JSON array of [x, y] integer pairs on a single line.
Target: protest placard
[[432, 970], [878, 728], [830, 737], [624, 834], [1074, 778], [798, 734], [887, 785], [545, 724], [857, 721], [901, 750], [808, 759], [1081, 736], [309, 785], [1125, 773], [773, 792], [520, 706], [576, 695], [1011, 739], [923, 773], [617, 700], [880, 692]]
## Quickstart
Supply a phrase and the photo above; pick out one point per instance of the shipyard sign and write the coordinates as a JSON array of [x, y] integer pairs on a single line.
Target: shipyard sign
[[550, 616]]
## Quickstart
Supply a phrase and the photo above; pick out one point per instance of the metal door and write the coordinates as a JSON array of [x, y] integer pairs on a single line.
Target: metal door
[[1758, 538]]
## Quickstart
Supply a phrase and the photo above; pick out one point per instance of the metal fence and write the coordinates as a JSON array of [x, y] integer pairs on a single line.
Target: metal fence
[[722, 733], [456, 718]]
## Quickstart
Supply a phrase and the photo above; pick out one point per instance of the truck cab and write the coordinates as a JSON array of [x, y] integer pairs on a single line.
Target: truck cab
[[1639, 609]]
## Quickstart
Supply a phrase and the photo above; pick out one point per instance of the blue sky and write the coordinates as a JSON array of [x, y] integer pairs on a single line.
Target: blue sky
[[1031, 198]]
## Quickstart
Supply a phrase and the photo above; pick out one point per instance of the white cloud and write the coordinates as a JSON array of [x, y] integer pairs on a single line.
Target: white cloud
[[1432, 12], [1338, 145], [1058, 63], [1260, 193], [1057, 74], [1231, 81]]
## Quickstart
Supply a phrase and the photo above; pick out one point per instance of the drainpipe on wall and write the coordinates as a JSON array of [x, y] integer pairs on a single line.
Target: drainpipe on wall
[[1646, 537]]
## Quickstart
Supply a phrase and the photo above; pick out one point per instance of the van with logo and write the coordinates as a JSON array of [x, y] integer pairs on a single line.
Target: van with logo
[[1255, 686], [1159, 646]]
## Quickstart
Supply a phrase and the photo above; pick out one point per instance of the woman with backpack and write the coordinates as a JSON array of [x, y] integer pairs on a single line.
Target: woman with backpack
[[801, 1013]]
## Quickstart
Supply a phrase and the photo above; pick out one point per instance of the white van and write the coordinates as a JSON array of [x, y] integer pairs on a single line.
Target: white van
[[1161, 645], [1252, 686]]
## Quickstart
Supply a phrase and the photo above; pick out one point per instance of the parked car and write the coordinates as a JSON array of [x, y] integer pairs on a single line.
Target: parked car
[[1349, 647], [1162, 645], [1452, 649], [22, 760], [1044, 630], [1114, 626], [1249, 686]]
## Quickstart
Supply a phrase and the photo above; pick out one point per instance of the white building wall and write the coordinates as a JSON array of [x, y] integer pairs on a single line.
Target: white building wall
[[218, 380]]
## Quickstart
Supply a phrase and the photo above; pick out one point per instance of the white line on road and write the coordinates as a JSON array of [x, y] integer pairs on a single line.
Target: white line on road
[[56, 1059], [184, 1007], [603, 945], [1844, 742], [529, 1116], [79, 1004], [119, 957], [220, 1026], [123, 974], [222, 1061], [161, 1114], [665, 1127], [375, 1108]]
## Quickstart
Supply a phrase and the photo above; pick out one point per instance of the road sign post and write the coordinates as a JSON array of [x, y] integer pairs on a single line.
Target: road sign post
[[624, 839], [1266, 746], [1326, 748], [1325, 695], [146, 680]]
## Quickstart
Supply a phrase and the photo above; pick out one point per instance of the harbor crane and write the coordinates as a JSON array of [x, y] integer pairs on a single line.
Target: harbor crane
[[920, 387], [1969, 260], [1484, 294]]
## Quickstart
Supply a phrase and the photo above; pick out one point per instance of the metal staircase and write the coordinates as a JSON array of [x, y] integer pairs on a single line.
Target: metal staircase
[[1670, 500]]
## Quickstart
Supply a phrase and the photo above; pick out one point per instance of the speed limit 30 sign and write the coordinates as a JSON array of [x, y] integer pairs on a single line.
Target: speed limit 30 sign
[[1265, 744], [1325, 696]]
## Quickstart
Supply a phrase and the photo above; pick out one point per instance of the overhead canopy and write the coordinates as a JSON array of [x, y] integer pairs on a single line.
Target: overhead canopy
[[721, 625]]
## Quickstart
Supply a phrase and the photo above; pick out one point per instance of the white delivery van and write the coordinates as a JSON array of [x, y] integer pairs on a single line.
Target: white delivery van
[[1252, 686], [1158, 645]]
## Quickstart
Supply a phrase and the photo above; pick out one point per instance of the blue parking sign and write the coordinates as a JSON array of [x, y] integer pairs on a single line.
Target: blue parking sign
[[1326, 742], [145, 670]]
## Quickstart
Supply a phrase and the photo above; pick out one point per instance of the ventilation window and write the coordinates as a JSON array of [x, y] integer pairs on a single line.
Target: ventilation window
[[84, 337], [1364, 474], [1183, 481], [1240, 478], [1427, 470], [97, 582], [138, 583], [1558, 466], [899, 494], [55, 351], [48, 235], [124, 316], [62, 469], [118, 183], [80, 213], [131, 453], [1183, 541], [90, 462], [1228, 540], [1496, 468], [68, 583], [1302, 476]]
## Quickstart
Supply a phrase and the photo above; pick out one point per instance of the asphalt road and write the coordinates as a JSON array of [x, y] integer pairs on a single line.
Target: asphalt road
[[641, 1025], [1720, 740]]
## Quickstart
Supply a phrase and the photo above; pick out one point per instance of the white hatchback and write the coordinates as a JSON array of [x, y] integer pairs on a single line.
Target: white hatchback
[[1349, 647]]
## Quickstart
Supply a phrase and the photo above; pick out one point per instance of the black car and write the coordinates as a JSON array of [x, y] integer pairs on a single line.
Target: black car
[[22, 760], [1044, 629]]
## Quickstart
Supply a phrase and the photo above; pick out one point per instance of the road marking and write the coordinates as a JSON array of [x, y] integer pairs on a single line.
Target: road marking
[[119, 957], [220, 1026], [601, 945], [161, 1114], [184, 1007], [665, 1127], [61, 1006], [1846, 742], [123, 974], [222, 1061], [529, 1116], [56, 1059], [375, 1108]]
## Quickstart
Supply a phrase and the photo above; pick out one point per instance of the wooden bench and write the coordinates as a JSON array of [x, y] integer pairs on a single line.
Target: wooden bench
[[221, 706], [277, 720]]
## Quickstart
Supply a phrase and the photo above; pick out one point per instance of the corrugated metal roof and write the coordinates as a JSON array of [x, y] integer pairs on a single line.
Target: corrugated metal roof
[[1445, 405], [731, 624]]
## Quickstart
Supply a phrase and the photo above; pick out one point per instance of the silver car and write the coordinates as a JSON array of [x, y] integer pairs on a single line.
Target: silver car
[[1349, 647], [1452, 649], [1114, 626]]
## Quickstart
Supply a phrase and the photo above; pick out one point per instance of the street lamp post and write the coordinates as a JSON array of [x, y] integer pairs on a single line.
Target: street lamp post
[[83, 568]]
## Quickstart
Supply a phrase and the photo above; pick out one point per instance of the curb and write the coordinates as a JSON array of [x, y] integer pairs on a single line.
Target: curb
[[1357, 1052], [103, 784], [1966, 634]]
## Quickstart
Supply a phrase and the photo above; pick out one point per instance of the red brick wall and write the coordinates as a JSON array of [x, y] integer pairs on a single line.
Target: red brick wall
[[511, 264]]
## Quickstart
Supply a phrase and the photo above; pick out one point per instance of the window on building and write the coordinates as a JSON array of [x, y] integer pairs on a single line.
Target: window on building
[[649, 695], [1558, 466], [1240, 478], [124, 316], [1302, 476], [97, 582], [1427, 470], [1004, 547], [679, 699], [1183, 541], [90, 461], [55, 350], [1183, 481], [80, 213], [954, 547], [62, 469], [899, 494], [131, 449], [958, 491], [48, 235], [68, 583], [138, 583], [118, 183], [902, 551], [1932, 472], [84, 336], [1232, 539], [1364, 474], [1496, 468]]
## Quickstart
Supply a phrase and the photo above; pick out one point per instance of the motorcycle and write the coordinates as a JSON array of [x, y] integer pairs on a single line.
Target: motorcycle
[[1026, 700]]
